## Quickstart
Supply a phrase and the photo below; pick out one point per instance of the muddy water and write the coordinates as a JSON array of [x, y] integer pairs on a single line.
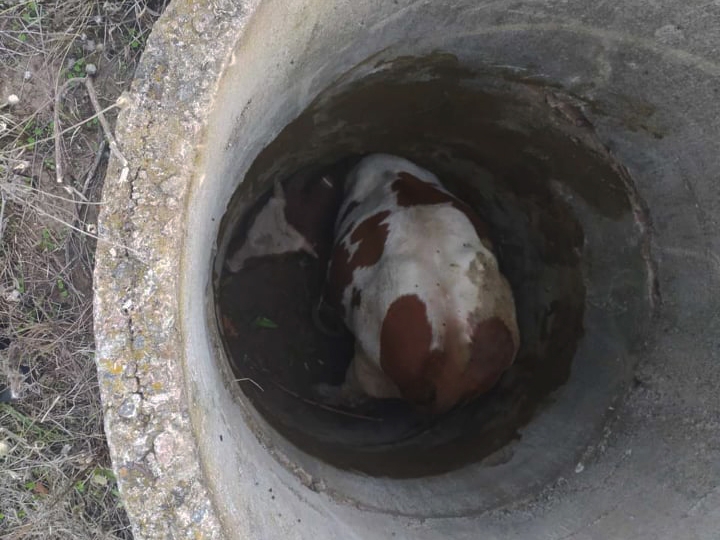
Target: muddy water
[[500, 146]]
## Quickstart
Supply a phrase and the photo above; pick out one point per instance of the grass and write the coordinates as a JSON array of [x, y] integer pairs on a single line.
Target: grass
[[55, 476]]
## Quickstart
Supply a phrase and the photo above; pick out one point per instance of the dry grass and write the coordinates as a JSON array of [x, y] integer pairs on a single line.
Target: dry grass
[[55, 476]]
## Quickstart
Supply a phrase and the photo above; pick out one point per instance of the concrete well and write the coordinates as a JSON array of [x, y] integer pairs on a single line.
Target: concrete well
[[587, 133]]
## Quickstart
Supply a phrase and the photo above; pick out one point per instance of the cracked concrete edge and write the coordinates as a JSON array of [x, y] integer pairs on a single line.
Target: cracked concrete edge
[[139, 346]]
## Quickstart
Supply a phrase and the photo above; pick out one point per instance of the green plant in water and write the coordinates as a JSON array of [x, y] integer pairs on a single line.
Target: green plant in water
[[264, 322]]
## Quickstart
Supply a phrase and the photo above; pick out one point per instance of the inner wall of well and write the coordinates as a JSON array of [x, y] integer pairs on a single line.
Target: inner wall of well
[[498, 145]]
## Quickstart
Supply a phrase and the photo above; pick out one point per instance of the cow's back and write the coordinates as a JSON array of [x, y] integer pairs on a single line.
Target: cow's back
[[414, 276]]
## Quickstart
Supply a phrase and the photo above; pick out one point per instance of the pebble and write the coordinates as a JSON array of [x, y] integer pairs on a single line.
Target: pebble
[[99, 480], [164, 447], [20, 166], [129, 407], [202, 22], [13, 296], [12, 99], [90, 69]]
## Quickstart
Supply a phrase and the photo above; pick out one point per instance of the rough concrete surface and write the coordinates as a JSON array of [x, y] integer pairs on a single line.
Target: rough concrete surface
[[221, 79], [141, 374]]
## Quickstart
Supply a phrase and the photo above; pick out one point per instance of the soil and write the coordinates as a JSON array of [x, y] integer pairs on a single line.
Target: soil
[[47, 258], [272, 330]]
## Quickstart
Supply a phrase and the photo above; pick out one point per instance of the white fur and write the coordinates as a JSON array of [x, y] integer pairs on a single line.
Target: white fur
[[270, 234], [432, 251]]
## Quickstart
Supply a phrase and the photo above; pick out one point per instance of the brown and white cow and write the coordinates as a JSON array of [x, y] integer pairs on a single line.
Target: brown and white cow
[[298, 217], [414, 276]]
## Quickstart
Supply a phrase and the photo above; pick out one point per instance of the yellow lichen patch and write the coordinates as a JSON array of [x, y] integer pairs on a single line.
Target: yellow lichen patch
[[119, 386], [114, 368]]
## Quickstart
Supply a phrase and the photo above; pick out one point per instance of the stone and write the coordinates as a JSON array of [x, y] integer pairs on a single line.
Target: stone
[[129, 408]]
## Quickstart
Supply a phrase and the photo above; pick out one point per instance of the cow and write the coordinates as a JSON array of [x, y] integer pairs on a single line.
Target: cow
[[298, 217], [414, 277]]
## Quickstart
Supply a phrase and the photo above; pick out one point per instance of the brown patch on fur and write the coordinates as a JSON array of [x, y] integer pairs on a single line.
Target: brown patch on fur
[[405, 340], [492, 352], [411, 191], [311, 207], [370, 236], [462, 371], [346, 230]]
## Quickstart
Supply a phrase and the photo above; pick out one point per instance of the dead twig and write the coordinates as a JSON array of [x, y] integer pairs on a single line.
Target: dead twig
[[99, 112], [104, 123], [2, 214], [81, 207], [88, 234], [56, 125], [248, 379], [94, 168]]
